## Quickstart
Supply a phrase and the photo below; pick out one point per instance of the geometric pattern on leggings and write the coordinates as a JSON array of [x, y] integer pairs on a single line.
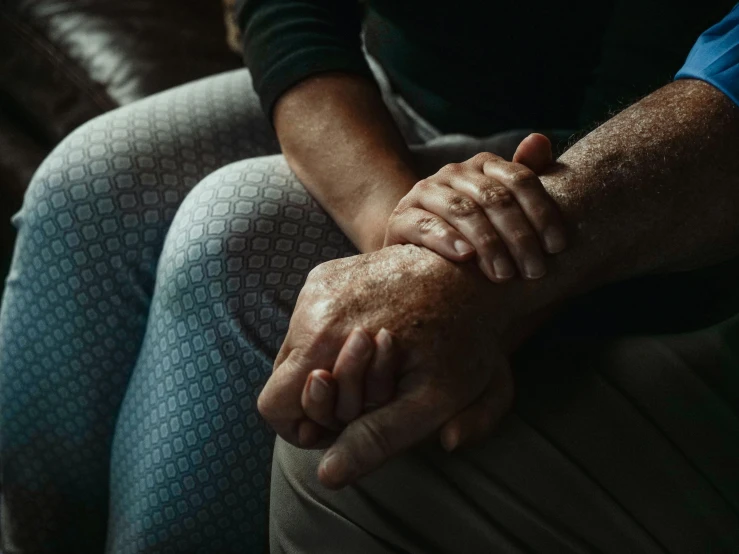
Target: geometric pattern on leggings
[[190, 451], [75, 308], [79, 303]]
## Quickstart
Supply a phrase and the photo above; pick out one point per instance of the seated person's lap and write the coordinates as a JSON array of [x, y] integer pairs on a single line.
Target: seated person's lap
[[613, 446]]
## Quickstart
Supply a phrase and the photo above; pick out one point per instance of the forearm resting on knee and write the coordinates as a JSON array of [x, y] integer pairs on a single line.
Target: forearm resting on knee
[[341, 142]]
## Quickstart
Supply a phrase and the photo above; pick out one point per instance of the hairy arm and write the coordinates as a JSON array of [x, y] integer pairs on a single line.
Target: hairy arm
[[654, 189], [341, 142]]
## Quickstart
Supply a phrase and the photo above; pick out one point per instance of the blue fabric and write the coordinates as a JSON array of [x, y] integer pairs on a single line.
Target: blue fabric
[[715, 57]]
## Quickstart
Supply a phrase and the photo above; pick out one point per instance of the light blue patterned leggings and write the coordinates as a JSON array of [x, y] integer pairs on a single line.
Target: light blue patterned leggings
[[115, 339], [134, 342]]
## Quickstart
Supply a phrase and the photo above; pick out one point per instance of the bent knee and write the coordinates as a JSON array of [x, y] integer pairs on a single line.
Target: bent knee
[[253, 216], [262, 186], [93, 175], [107, 187]]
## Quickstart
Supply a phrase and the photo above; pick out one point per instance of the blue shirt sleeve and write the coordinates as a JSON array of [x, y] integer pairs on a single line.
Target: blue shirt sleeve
[[715, 57]]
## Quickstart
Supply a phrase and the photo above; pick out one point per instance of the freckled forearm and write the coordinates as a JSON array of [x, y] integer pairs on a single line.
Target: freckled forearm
[[655, 189]]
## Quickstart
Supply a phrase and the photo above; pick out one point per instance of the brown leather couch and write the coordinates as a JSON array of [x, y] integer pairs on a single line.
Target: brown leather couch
[[63, 62]]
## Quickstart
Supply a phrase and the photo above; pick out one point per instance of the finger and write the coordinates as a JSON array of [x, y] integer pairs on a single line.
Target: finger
[[309, 433], [279, 402], [419, 227], [380, 380], [369, 441], [482, 417], [313, 436], [507, 218], [319, 399], [535, 152], [349, 371], [461, 212], [540, 209]]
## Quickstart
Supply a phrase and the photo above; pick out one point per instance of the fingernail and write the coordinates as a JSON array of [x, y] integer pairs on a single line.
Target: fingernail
[[336, 466], [384, 339], [487, 269], [503, 268], [358, 345], [534, 268], [463, 248], [554, 240], [318, 389]]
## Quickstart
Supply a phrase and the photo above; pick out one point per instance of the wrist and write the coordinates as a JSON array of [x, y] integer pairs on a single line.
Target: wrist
[[371, 219], [583, 266], [370, 233]]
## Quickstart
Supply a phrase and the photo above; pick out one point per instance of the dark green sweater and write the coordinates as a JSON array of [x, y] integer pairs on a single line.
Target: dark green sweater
[[482, 66]]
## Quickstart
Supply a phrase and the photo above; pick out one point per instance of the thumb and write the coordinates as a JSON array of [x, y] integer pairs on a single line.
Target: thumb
[[372, 439], [535, 152]]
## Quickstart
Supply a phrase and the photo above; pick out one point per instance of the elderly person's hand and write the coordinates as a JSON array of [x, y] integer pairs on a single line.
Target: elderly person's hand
[[488, 201], [450, 351], [362, 379]]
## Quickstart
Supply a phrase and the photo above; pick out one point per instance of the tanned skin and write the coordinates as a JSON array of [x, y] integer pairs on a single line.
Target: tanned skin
[[653, 190], [339, 138]]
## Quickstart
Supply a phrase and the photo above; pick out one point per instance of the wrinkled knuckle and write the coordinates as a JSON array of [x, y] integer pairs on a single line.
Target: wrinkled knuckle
[[483, 157], [427, 225], [462, 207], [495, 197], [523, 178], [421, 186], [453, 168], [488, 241]]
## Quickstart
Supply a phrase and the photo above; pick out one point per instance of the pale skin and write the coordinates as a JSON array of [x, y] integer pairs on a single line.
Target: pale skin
[[654, 189]]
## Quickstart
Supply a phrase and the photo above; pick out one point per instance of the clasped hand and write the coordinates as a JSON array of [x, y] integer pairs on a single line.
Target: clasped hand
[[386, 348]]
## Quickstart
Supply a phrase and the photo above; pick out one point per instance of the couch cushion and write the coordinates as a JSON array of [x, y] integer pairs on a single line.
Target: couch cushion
[[133, 49]]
